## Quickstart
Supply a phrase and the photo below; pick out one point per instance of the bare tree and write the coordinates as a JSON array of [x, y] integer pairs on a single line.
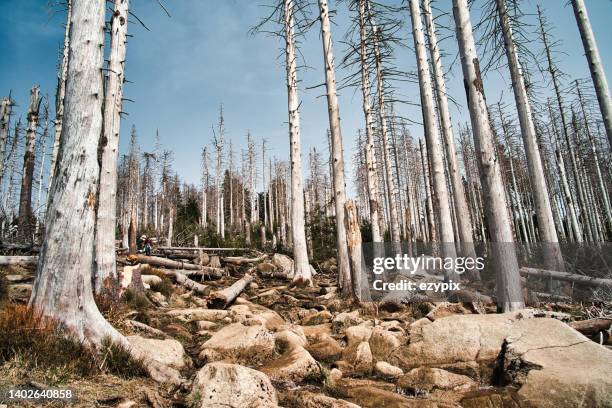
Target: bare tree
[[595, 65], [509, 294], [29, 158], [106, 270]]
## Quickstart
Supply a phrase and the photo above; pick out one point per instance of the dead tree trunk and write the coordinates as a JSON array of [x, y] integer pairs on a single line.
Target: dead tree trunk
[[595, 65], [222, 298], [60, 95], [5, 115], [105, 267], [69, 234], [464, 223], [359, 280], [436, 155], [302, 274], [29, 158], [509, 294], [370, 156]]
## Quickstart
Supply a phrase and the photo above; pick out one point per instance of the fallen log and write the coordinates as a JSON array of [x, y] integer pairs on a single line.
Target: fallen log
[[183, 280], [552, 297], [239, 260], [592, 326], [163, 262], [205, 272], [18, 260], [203, 249], [135, 325], [566, 276], [220, 299], [22, 247]]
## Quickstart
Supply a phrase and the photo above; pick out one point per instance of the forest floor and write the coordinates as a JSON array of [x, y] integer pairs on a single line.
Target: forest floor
[[310, 347]]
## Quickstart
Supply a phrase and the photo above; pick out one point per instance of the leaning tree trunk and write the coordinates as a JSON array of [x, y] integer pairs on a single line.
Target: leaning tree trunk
[[595, 65], [370, 157], [539, 190], [29, 158], [435, 153], [302, 274], [509, 294], [105, 273], [464, 223], [60, 95], [344, 270]]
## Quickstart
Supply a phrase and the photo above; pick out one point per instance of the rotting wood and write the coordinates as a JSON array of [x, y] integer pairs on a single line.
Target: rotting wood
[[566, 276]]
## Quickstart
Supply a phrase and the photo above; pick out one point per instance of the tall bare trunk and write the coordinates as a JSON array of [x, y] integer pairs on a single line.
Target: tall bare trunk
[[69, 234], [5, 116], [461, 207], [27, 175], [302, 274], [337, 152], [436, 154], [105, 267], [61, 94], [509, 294], [595, 65], [388, 174]]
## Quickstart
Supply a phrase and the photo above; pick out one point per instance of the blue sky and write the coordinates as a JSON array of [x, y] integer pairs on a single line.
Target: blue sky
[[203, 56]]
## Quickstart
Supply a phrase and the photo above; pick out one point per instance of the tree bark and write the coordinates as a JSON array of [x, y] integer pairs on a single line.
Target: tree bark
[[509, 294], [465, 229], [370, 156], [595, 65], [29, 158], [436, 155], [302, 274], [359, 280], [105, 265], [69, 233], [5, 115], [337, 152]]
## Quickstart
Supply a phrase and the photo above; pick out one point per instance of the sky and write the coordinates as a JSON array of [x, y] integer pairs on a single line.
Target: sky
[[203, 56]]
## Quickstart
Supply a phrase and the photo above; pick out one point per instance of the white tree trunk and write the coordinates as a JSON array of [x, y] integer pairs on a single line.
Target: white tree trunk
[[370, 157], [105, 267], [302, 274], [59, 98], [539, 189], [509, 294], [595, 65], [337, 152], [464, 223], [5, 115], [435, 152]]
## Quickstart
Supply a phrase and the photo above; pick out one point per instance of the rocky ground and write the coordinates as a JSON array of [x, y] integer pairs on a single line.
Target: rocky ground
[[308, 347]]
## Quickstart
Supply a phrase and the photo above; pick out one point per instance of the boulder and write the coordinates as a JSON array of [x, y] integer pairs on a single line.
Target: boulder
[[205, 325], [555, 366], [268, 297], [335, 374], [425, 380], [293, 366], [284, 263], [359, 355], [384, 342], [221, 385], [357, 334], [458, 340], [321, 317], [444, 309], [265, 268], [324, 348], [387, 370], [288, 339], [312, 333], [168, 352], [249, 313], [239, 343], [307, 399], [375, 394], [346, 319]]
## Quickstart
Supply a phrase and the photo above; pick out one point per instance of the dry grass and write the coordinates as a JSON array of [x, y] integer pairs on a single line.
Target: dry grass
[[33, 342]]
